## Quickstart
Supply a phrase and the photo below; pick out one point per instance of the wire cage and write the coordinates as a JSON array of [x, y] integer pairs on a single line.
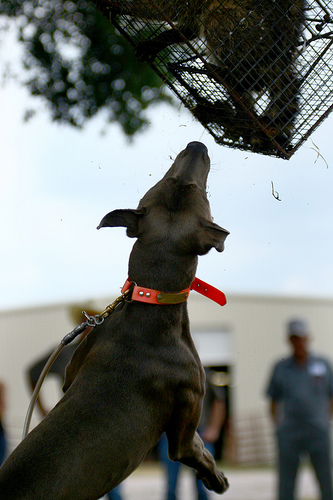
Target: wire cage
[[257, 74]]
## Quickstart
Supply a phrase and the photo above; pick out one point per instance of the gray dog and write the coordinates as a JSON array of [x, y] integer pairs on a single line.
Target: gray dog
[[138, 374]]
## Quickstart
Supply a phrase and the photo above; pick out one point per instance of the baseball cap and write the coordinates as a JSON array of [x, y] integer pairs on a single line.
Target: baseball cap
[[298, 328]]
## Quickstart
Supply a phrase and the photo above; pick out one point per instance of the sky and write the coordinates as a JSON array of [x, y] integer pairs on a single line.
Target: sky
[[57, 183]]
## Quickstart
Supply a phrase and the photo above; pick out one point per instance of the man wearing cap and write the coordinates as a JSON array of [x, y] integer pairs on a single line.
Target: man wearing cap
[[301, 393]]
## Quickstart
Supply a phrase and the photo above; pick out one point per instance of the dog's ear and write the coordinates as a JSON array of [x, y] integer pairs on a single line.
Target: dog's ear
[[211, 235], [124, 218]]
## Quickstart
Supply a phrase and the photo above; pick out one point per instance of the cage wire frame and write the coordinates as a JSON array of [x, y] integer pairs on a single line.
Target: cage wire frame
[[240, 119]]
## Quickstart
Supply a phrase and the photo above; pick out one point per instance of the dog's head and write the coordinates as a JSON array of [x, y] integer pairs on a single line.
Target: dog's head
[[173, 218]]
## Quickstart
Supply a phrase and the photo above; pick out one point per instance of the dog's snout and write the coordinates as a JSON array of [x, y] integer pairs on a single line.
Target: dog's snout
[[197, 147], [191, 165]]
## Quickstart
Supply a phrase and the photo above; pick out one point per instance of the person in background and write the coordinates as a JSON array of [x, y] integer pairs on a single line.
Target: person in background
[[212, 419], [59, 368], [301, 394], [2, 432]]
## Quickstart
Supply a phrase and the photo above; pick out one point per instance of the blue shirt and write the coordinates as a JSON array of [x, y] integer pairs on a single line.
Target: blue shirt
[[303, 393]]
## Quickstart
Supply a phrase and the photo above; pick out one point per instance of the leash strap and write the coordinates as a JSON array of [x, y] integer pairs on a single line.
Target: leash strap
[[151, 296]]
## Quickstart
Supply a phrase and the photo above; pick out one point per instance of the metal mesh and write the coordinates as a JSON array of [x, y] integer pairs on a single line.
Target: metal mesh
[[256, 73]]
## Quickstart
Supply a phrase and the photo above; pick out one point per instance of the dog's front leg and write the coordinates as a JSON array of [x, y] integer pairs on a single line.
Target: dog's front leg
[[190, 451]]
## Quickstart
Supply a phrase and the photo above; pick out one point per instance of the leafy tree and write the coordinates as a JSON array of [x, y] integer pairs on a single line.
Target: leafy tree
[[78, 63]]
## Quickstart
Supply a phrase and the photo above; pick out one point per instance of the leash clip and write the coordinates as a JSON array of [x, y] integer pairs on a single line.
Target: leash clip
[[93, 320]]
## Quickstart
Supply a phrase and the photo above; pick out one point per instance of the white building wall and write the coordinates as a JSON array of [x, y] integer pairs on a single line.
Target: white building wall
[[257, 325]]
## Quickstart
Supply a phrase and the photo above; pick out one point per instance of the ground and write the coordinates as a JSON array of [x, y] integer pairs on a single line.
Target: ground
[[245, 484]]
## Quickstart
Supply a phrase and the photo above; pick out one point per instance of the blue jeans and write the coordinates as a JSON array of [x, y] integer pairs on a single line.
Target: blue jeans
[[115, 494], [2, 445], [172, 470], [314, 442]]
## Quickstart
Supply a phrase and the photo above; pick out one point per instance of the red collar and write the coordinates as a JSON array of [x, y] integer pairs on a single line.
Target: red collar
[[150, 296]]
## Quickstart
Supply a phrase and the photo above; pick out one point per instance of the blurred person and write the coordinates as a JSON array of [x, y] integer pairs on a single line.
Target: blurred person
[[213, 416], [2, 432], [301, 393], [58, 368]]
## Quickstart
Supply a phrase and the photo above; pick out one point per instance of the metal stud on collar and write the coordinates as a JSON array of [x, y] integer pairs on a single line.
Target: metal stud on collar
[[147, 294]]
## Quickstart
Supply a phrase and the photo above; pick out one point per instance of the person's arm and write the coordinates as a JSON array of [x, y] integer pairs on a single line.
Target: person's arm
[[216, 420], [274, 393], [273, 411]]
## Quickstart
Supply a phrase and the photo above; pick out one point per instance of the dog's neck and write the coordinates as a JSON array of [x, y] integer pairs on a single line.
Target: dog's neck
[[168, 272]]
